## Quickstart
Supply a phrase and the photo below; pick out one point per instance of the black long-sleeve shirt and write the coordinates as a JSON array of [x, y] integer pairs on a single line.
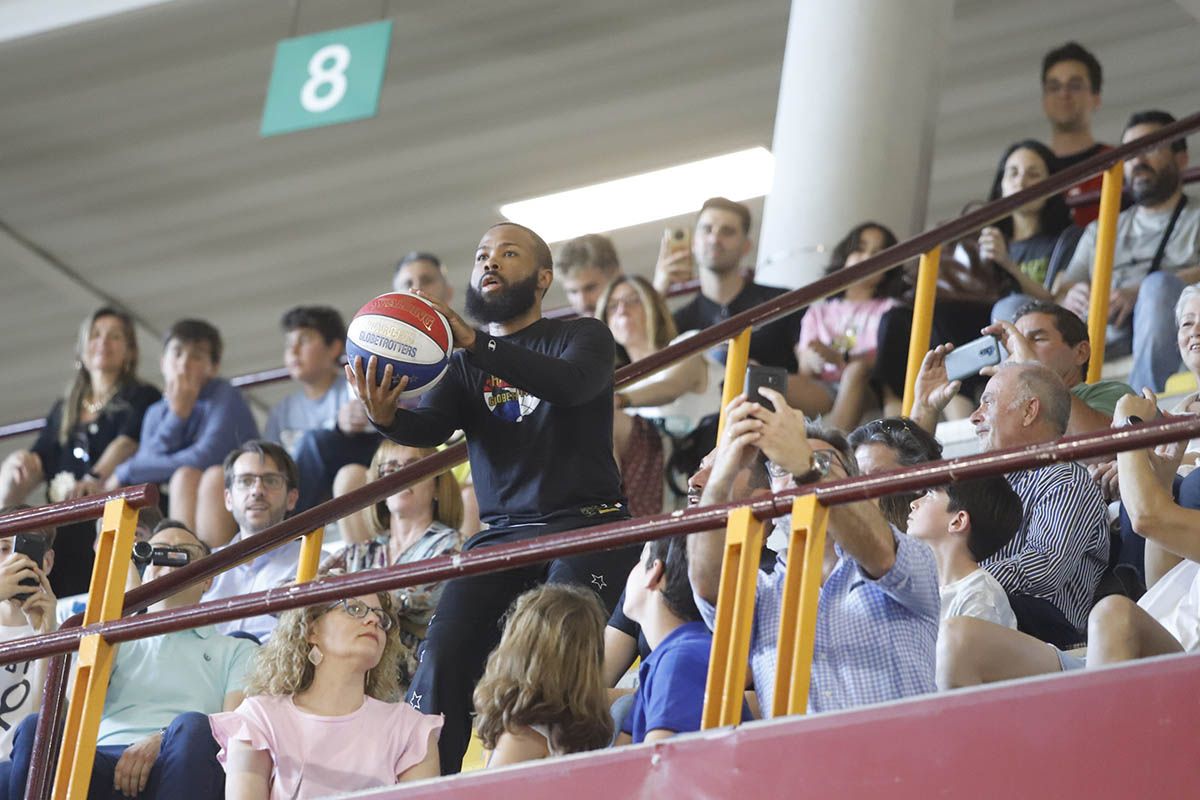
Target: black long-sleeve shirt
[[537, 409]]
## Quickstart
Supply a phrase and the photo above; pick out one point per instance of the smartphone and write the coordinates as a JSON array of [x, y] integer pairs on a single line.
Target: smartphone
[[678, 239], [967, 360], [758, 376], [35, 548]]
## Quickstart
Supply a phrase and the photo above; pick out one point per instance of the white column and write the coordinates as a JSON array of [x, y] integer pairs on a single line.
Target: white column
[[854, 128]]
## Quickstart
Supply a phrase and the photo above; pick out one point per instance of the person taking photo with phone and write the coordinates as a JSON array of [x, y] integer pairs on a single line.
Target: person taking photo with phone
[[26, 609]]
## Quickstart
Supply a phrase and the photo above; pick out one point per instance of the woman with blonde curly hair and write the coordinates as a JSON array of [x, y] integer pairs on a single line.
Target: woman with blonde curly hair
[[543, 693], [416, 523], [320, 715]]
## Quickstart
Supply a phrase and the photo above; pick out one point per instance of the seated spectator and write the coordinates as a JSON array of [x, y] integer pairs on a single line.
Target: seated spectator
[[321, 714], [1157, 254], [586, 265], [199, 418], [675, 398], [839, 335], [542, 693], [720, 241], [154, 737], [414, 524], [24, 611], [325, 453], [1048, 334], [1165, 620], [1071, 82], [965, 523], [883, 445], [93, 429], [314, 342], [260, 491], [670, 694], [422, 272], [880, 586], [1024, 244], [1062, 548]]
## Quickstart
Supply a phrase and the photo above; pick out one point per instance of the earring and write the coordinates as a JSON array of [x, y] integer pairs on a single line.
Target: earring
[[315, 656]]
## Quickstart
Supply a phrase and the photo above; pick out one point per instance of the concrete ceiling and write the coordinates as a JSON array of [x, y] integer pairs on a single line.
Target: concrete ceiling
[[131, 163]]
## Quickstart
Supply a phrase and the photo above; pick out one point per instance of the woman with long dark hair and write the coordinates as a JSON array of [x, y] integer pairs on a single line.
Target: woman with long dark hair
[[1024, 243]]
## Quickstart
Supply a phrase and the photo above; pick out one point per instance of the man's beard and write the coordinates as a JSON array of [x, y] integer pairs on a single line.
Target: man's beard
[[251, 529], [510, 302], [1156, 189]]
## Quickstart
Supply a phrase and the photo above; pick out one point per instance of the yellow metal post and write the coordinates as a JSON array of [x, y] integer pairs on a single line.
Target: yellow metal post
[[106, 599], [735, 374], [735, 618], [310, 556], [1106, 242], [798, 617], [922, 324]]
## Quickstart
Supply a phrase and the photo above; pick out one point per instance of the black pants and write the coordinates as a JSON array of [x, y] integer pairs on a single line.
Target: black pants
[[466, 626]]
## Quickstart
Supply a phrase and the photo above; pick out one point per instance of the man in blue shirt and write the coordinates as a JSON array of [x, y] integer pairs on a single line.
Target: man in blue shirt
[[670, 694], [199, 419], [878, 611]]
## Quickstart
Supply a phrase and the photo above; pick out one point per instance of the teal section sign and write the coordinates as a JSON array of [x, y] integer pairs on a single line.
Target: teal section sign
[[326, 78]]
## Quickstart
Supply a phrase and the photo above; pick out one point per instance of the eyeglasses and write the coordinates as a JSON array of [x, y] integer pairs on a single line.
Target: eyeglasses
[[822, 460], [270, 480], [386, 468], [359, 610]]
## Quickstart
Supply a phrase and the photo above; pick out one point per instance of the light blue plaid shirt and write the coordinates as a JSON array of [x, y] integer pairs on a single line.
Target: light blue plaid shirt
[[876, 640]]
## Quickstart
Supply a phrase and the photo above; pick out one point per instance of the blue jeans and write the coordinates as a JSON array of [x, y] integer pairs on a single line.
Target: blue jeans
[[1154, 342], [186, 768]]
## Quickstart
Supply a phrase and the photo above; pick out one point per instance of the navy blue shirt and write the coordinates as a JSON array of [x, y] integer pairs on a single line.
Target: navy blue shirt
[[671, 680], [536, 407]]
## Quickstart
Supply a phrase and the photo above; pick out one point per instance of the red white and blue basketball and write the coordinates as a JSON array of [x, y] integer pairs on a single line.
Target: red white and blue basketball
[[406, 331]]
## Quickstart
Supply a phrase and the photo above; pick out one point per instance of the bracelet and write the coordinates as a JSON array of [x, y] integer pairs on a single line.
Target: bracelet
[[1133, 419]]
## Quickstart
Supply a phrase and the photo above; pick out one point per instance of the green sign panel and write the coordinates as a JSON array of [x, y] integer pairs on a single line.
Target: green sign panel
[[326, 78]]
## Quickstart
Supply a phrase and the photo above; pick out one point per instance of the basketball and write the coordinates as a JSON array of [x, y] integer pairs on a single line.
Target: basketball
[[406, 331]]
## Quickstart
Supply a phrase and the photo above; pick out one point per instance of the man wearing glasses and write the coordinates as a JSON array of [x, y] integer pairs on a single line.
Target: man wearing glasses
[[261, 487], [1071, 81], [877, 626]]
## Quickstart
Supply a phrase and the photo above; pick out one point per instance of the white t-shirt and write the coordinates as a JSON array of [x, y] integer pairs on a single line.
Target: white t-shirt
[[1175, 602], [681, 416], [16, 689], [978, 595]]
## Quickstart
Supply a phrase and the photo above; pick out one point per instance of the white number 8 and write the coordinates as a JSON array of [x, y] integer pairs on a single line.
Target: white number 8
[[321, 74]]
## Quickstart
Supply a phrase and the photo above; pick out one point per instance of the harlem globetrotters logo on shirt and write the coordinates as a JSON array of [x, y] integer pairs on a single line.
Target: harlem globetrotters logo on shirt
[[507, 401]]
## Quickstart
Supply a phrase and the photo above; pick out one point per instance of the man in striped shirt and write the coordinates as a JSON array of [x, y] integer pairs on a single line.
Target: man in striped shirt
[[1061, 550]]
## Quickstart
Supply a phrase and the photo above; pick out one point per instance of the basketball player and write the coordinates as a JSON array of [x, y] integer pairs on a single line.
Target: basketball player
[[534, 397]]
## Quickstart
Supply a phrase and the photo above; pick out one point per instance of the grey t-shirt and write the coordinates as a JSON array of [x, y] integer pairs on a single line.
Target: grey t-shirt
[[295, 414], [1138, 234]]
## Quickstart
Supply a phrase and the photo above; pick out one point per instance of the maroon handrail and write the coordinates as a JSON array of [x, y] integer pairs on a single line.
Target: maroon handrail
[[599, 537], [80, 509], [1189, 175]]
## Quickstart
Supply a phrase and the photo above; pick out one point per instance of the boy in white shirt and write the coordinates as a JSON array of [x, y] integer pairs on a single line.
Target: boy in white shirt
[[964, 523]]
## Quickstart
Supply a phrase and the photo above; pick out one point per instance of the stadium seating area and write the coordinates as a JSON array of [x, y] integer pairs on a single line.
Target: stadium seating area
[[1060, 565]]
